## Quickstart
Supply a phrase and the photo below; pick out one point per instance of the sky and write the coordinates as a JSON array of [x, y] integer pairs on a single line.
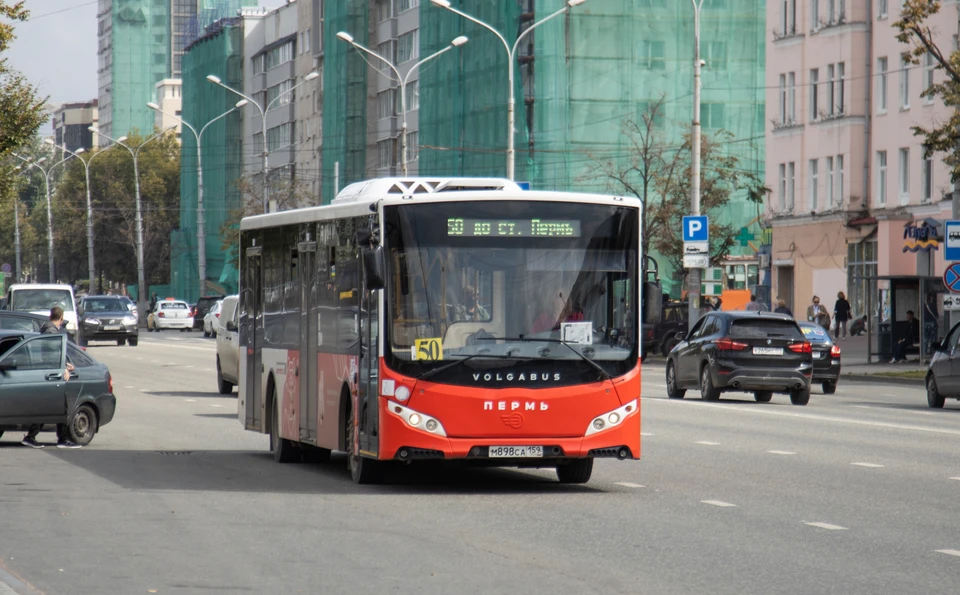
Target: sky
[[57, 48]]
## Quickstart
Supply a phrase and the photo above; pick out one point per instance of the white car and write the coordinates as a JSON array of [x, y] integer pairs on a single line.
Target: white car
[[228, 345], [170, 314], [210, 320]]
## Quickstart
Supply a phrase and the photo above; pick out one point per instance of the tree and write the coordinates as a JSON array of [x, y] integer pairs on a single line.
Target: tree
[[915, 31], [659, 175], [21, 108]]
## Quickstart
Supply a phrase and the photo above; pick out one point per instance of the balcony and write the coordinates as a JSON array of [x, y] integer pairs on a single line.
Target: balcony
[[787, 124], [780, 34]]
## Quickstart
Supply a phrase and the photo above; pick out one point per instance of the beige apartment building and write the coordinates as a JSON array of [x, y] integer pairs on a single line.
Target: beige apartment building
[[851, 187]]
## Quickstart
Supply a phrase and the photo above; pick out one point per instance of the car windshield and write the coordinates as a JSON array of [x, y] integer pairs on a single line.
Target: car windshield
[[106, 304], [463, 284], [33, 300]]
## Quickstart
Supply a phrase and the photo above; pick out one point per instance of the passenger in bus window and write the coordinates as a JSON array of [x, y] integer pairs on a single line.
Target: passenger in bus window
[[469, 308], [550, 308]]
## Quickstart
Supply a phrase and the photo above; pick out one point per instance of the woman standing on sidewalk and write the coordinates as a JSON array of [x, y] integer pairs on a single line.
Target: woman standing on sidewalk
[[841, 314]]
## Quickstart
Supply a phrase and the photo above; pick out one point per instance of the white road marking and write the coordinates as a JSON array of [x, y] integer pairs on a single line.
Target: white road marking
[[627, 484], [870, 465], [827, 526], [949, 552], [216, 405], [957, 478], [646, 434], [705, 443], [129, 387], [718, 503], [905, 410], [781, 452], [189, 400]]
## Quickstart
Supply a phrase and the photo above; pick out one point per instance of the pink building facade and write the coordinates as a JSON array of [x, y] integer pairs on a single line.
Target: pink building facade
[[850, 184]]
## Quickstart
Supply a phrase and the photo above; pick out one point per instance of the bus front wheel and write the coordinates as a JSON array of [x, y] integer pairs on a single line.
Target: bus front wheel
[[362, 469], [575, 471]]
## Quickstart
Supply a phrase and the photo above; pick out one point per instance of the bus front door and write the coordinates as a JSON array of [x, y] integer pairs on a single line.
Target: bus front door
[[309, 393], [369, 371], [252, 332]]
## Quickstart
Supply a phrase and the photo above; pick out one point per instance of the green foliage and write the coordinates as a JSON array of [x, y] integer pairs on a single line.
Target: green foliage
[[21, 109], [916, 32]]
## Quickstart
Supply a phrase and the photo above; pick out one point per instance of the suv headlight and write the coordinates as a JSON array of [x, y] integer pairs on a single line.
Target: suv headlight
[[87, 321], [129, 320], [613, 418]]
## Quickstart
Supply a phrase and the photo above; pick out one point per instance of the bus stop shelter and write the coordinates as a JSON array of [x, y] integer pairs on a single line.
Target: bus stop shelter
[[887, 306]]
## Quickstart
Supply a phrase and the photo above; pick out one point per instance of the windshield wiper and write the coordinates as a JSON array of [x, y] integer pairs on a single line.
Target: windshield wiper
[[455, 363], [595, 365]]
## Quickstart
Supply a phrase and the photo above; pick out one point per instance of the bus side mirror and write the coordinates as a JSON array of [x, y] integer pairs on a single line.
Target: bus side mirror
[[373, 267]]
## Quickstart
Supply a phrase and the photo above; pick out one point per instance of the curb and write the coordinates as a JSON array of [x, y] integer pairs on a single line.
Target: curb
[[875, 379]]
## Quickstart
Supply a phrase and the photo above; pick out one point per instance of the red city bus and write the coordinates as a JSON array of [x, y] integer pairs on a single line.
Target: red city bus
[[455, 319]]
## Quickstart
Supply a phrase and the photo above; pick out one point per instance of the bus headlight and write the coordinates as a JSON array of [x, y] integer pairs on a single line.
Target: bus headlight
[[417, 420], [612, 418]]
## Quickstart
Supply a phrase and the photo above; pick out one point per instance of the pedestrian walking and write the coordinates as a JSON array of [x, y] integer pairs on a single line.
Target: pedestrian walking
[[782, 308], [817, 314], [930, 323], [841, 314], [753, 305]]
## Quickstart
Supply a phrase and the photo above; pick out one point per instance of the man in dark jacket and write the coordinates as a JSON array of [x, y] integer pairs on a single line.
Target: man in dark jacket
[[53, 326]]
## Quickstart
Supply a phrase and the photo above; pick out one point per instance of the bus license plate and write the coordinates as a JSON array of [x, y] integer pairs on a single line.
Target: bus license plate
[[511, 452], [768, 351]]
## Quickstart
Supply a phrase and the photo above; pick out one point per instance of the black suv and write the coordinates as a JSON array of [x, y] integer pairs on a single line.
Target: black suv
[[203, 306], [106, 318], [661, 337], [753, 352]]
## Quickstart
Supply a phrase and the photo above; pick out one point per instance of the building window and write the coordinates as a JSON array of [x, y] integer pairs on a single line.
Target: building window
[[814, 94], [712, 116], [279, 55], [882, 9], [788, 17], [413, 95], [904, 82], [929, 67], [782, 186], [278, 95], [387, 103], [926, 169], [650, 55], [408, 46], [830, 182], [904, 176], [387, 49], [815, 14], [258, 64], [861, 266], [881, 198], [881, 85], [830, 89], [783, 98], [385, 151], [814, 183], [839, 179], [791, 184], [841, 10], [792, 97], [279, 136], [413, 146], [404, 5], [384, 10], [839, 95], [306, 41]]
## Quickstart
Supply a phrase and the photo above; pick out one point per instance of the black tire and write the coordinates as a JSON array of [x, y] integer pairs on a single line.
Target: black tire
[[934, 399], [668, 345], [362, 470], [283, 450], [800, 397], [575, 471], [121, 342], [133, 341], [183, 330], [763, 396], [673, 391], [829, 387], [83, 426], [223, 386], [708, 392]]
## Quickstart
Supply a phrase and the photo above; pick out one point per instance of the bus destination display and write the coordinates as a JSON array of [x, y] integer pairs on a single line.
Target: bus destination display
[[520, 228]]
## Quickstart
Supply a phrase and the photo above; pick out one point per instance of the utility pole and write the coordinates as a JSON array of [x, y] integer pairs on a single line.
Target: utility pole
[[693, 276]]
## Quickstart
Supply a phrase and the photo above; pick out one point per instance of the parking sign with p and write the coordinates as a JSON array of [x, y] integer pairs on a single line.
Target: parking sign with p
[[695, 229]]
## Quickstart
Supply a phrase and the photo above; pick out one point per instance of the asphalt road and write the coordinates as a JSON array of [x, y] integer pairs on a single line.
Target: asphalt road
[[852, 494]]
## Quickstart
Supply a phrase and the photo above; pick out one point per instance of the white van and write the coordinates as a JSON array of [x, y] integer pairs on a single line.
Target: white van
[[38, 298], [228, 345]]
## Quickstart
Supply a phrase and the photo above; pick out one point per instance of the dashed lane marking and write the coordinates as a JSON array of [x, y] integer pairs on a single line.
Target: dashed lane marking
[[646, 434], [189, 400], [957, 478], [719, 503], [906, 410], [627, 484], [129, 387], [947, 552], [870, 465], [827, 526], [781, 452], [216, 405], [705, 443]]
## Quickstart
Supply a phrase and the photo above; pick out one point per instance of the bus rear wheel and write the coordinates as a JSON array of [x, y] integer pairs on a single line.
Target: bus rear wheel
[[575, 471], [283, 450]]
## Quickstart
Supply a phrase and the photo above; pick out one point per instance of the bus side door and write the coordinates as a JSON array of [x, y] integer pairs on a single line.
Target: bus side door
[[251, 332], [369, 369], [309, 393]]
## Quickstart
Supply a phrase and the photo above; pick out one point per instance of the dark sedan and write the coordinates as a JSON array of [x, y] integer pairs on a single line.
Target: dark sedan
[[106, 318], [753, 352], [826, 357], [34, 388], [21, 321]]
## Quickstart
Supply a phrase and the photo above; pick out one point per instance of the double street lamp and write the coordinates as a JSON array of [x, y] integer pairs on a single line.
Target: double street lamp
[[16, 219], [46, 179], [402, 80], [511, 58], [135, 153], [263, 119], [201, 232]]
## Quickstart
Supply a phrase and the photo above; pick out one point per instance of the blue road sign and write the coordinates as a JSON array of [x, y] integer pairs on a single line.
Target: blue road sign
[[524, 185], [695, 229], [951, 238], [951, 277]]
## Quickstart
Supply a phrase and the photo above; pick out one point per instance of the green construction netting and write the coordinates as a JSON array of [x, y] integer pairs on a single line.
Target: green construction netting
[[219, 52], [141, 58], [344, 97]]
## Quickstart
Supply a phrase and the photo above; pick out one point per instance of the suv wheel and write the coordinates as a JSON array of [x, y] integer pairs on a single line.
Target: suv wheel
[[763, 396], [708, 392], [934, 399], [673, 391], [829, 388], [800, 397]]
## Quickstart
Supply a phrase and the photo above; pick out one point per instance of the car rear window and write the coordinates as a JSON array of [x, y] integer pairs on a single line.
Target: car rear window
[[173, 306], [77, 357], [759, 328]]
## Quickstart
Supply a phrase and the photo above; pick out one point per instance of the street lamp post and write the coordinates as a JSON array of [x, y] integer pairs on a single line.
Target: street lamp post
[[141, 281], [201, 231], [263, 119], [16, 222], [693, 278], [46, 179], [511, 58], [459, 41]]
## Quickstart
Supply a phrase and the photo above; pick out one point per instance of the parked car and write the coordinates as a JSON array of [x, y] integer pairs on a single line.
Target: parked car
[[826, 357], [201, 308], [943, 373], [33, 389], [228, 345], [754, 352], [210, 320], [21, 321], [170, 314], [106, 318]]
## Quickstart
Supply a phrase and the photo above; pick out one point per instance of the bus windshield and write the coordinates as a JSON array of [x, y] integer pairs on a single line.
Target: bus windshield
[[543, 289], [35, 300]]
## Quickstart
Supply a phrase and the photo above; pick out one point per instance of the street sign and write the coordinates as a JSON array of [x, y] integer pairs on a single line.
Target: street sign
[[951, 277], [696, 247], [6, 268], [699, 261], [952, 237], [524, 185], [695, 229]]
